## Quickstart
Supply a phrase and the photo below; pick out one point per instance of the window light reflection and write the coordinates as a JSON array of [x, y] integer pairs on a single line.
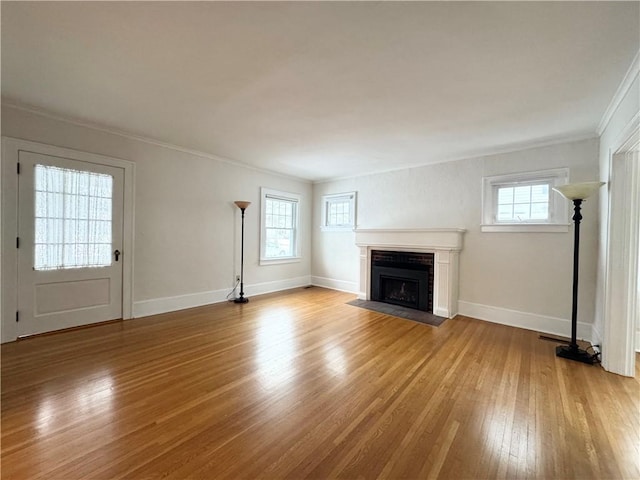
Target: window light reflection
[[335, 360], [276, 349], [93, 397]]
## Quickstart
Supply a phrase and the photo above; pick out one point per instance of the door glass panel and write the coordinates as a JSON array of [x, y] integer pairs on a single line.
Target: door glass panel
[[73, 212]]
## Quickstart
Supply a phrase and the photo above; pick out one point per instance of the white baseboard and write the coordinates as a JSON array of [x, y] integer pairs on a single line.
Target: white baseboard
[[638, 340], [277, 285], [156, 306], [596, 336], [529, 321], [442, 312], [333, 284], [171, 304]]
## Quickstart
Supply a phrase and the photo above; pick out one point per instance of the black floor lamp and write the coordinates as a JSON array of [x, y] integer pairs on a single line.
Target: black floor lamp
[[576, 192], [242, 205]]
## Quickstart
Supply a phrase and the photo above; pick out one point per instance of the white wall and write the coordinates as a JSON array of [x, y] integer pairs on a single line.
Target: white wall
[[187, 230], [522, 279]]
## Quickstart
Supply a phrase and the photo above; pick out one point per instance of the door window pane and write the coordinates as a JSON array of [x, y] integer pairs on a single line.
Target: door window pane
[[73, 211]]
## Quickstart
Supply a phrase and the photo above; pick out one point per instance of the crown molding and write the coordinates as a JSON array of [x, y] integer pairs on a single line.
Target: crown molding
[[621, 92], [130, 136], [498, 150]]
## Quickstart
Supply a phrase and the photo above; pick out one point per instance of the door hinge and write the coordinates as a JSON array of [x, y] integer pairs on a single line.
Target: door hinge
[[18, 168], [17, 316], [17, 242]]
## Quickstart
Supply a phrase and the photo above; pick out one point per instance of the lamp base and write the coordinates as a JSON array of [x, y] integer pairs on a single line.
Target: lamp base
[[241, 300], [572, 352]]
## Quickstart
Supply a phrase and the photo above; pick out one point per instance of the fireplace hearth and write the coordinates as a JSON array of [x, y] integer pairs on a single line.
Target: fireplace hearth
[[402, 278]]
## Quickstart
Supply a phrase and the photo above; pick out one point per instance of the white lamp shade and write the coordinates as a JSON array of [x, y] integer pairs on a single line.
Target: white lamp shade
[[575, 191]]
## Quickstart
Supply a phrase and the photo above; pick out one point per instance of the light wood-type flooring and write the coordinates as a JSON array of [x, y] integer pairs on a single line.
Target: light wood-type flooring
[[300, 385]]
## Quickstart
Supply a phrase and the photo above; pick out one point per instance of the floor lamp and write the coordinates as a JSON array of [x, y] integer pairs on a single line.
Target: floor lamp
[[242, 205], [576, 192]]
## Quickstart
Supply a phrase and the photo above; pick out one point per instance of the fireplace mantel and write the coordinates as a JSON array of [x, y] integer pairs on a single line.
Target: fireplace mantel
[[445, 243]]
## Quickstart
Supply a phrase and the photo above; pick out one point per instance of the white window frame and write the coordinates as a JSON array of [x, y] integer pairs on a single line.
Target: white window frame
[[558, 220], [327, 200], [290, 197]]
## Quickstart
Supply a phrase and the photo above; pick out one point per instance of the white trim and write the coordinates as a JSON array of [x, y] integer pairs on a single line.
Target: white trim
[[628, 139], [351, 197], [277, 285], [285, 196], [621, 92], [638, 340], [596, 336], [280, 261], [444, 243], [148, 140], [8, 217], [157, 306], [334, 284], [526, 228], [432, 239], [526, 320], [499, 150], [621, 272], [558, 211]]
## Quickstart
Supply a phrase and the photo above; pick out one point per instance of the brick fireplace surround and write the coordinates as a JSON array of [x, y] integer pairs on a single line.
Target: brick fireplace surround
[[444, 243]]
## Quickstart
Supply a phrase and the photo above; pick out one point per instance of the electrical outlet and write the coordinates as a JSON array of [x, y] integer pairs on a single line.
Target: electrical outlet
[[237, 278]]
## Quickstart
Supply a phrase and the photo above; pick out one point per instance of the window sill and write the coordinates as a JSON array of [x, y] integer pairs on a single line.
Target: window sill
[[279, 261], [348, 228], [525, 228]]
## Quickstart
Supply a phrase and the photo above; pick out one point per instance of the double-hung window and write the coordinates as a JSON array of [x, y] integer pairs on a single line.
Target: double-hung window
[[525, 202], [279, 240]]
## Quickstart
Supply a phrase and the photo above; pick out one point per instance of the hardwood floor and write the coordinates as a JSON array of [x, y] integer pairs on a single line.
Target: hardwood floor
[[299, 384]]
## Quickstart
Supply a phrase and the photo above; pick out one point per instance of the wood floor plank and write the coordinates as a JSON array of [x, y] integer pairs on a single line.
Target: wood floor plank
[[301, 385]]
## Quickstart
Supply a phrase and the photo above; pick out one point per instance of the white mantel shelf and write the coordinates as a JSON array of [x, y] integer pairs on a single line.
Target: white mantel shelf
[[444, 243], [430, 238]]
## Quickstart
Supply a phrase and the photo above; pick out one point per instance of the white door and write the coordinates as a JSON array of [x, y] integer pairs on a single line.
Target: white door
[[70, 229]]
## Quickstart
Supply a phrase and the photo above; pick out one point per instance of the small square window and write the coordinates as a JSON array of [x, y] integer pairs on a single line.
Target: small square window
[[525, 202], [338, 211]]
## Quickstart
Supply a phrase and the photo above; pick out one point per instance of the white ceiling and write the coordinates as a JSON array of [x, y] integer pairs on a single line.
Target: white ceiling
[[324, 90]]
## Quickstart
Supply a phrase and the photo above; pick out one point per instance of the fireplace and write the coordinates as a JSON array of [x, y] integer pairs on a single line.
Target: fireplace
[[402, 278], [443, 243]]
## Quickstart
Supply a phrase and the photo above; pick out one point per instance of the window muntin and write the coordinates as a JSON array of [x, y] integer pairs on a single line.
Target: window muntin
[[338, 211], [525, 202], [73, 215], [279, 226], [521, 203]]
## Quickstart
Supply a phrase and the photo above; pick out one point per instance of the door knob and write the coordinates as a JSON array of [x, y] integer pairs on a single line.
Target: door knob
[[117, 254]]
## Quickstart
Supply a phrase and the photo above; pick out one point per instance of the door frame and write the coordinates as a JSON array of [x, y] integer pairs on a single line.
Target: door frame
[[11, 148], [623, 248]]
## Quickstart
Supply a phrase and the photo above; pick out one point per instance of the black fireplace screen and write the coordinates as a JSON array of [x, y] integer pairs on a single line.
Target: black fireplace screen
[[399, 290], [403, 278]]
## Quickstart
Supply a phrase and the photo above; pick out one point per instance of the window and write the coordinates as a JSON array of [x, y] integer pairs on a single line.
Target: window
[[525, 202], [279, 233], [72, 218], [339, 211]]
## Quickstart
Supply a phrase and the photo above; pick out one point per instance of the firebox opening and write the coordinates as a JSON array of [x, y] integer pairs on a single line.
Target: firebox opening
[[403, 278]]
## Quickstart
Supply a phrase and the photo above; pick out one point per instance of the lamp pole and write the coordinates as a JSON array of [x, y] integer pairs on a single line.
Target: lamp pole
[[576, 192], [577, 216], [242, 299]]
